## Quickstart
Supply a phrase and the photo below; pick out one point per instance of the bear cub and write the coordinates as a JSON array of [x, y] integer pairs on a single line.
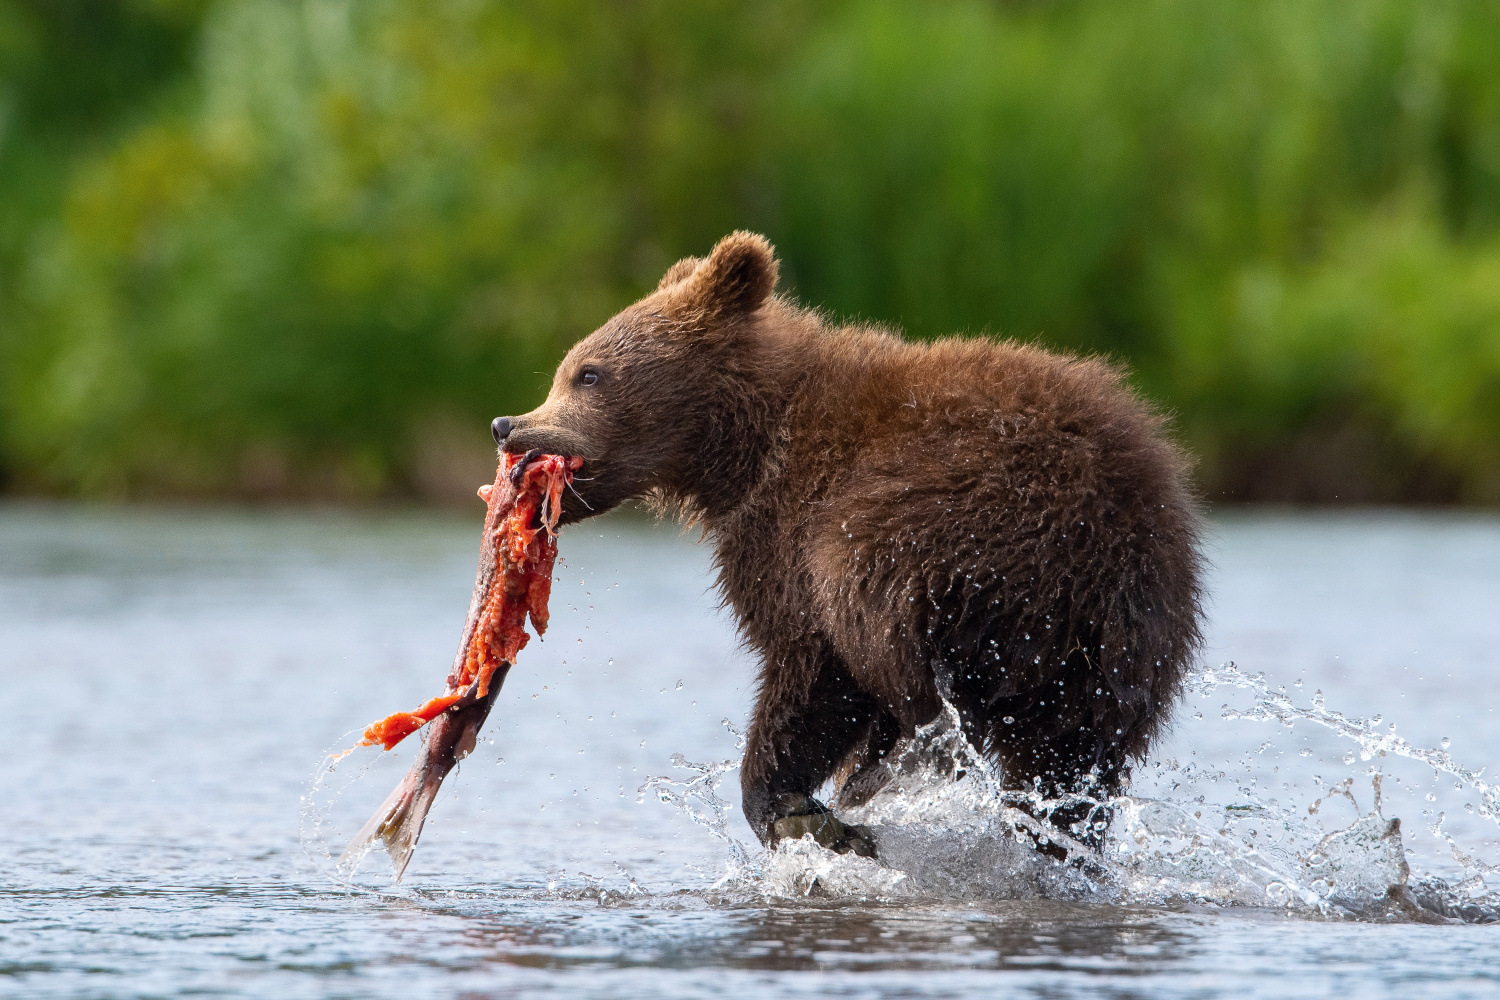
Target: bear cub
[[895, 524]]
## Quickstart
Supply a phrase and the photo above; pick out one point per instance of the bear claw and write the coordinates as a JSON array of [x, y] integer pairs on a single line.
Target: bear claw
[[519, 469]]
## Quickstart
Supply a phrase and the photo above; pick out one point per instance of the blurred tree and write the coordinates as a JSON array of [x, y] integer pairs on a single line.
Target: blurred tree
[[376, 219], [318, 256], [1149, 180], [74, 77]]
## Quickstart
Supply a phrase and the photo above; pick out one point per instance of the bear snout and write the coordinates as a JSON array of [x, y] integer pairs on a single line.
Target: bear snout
[[519, 438], [500, 429]]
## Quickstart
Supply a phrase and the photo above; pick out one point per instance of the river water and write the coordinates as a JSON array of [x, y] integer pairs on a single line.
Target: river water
[[173, 681]]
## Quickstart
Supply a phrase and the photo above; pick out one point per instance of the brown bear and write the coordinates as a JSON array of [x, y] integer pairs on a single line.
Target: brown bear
[[895, 523]]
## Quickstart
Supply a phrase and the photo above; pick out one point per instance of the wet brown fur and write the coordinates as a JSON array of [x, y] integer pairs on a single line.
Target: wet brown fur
[[986, 521]]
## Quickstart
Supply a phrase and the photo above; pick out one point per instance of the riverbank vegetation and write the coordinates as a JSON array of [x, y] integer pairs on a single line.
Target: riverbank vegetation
[[310, 247]]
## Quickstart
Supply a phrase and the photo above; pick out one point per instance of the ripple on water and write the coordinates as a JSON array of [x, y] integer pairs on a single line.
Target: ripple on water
[[168, 677]]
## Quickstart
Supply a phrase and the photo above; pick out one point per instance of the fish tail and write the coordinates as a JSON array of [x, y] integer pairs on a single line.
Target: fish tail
[[399, 820]]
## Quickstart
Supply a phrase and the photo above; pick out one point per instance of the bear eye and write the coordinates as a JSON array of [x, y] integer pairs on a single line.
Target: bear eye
[[588, 377]]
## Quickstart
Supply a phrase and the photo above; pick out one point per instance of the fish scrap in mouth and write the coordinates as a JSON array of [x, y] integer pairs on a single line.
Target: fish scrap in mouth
[[514, 581]]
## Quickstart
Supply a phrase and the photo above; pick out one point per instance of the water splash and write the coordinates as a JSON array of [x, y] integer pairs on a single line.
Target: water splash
[[697, 797], [617, 889], [1244, 831], [322, 831], [1277, 706]]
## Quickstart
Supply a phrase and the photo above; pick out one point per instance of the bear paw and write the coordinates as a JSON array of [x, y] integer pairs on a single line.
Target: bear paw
[[813, 818]]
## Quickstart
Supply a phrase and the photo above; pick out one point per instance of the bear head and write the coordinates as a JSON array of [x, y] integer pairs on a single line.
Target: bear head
[[661, 400]]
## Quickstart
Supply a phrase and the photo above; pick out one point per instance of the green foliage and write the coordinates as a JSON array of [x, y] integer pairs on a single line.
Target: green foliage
[[341, 236]]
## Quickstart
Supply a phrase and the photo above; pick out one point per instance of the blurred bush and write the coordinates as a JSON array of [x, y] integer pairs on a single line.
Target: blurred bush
[[311, 247]]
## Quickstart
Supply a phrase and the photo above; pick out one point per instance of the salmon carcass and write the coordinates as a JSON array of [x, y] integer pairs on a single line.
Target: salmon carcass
[[516, 555]]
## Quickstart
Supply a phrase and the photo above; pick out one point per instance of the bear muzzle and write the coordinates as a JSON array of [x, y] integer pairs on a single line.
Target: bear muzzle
[[515, 436]]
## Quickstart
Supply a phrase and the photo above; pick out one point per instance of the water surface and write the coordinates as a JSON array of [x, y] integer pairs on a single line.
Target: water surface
[[173, 679]]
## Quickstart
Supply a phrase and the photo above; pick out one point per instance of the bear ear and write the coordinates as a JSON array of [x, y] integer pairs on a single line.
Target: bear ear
[[678, 271], [737, 278]]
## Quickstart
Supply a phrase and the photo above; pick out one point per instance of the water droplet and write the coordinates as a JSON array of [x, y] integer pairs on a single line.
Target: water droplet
[[679, 685], [1446, 743], [1008, 719]]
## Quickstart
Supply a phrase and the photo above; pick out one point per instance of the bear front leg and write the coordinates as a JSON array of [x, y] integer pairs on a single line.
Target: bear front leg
[[798, 736]]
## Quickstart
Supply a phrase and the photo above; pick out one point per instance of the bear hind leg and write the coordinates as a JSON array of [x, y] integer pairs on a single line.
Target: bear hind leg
[[1074, 773]]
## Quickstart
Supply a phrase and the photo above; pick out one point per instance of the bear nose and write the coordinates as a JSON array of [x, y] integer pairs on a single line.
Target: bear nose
[[500, 429]]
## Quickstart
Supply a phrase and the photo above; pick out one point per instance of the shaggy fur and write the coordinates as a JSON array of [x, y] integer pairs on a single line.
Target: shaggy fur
[[894, 522]]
